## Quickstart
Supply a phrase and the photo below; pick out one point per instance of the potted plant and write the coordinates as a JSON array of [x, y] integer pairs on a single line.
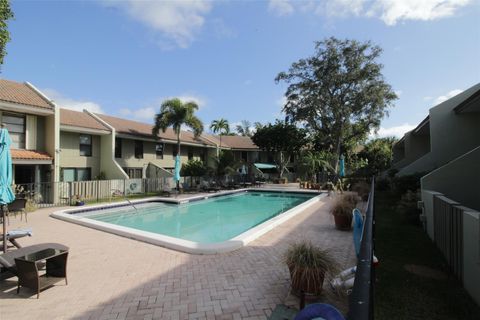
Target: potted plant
[[342, 212], [308, 266], [77, 200]]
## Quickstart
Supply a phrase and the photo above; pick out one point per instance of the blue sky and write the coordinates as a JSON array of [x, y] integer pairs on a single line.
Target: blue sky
[[124, 57]]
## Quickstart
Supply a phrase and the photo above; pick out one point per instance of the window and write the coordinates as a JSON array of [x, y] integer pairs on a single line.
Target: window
[[76, 174], [270, 158], [244, 156], [134, 173], [159, 150], [15, 124], [86, 145], [118, 147], [138, 149], [190, 154], [174, 152]]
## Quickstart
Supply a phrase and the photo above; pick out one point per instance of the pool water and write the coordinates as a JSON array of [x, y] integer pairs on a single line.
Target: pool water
[[211, 220]]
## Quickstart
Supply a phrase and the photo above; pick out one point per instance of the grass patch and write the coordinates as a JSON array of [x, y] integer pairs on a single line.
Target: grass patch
[[400, 294]]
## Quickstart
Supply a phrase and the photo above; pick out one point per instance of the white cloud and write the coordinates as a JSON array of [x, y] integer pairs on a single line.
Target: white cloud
[[396, 131], [398, 92], [390, 12], [148, 113], [281, 7], [144, 114], [73, 104], [177, 21], [449, 95]]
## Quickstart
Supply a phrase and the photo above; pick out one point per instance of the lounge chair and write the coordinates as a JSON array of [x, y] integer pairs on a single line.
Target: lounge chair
[[18, 205], [12, 235], [7, 260]]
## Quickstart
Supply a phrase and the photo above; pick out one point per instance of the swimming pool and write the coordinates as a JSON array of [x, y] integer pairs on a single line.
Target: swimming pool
[[205, 224]]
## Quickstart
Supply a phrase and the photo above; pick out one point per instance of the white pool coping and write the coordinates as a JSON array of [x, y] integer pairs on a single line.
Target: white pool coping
[[186, 245]]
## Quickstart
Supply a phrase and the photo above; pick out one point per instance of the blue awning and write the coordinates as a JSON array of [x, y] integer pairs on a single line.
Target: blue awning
[[265, 166]]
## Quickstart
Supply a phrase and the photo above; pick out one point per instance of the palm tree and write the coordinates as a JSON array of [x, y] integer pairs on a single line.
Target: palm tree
[[313, 162], [221, 127], [175, 113], [243, 129]]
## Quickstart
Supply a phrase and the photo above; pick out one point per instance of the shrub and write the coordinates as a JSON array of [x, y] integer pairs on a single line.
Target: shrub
[[382, 184], [400, 185], [343, 206], [407, 206], [362, 188], [351, 198]]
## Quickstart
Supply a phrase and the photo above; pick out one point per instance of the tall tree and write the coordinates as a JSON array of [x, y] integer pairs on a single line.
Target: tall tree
[[5, 14], [175, 113], [282, 138], [244, 128], [378, 154], [221, 127], [339, 93]]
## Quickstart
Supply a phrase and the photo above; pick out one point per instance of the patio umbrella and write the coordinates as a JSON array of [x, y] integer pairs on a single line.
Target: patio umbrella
[[176, 174], [244, 170], [341, 169], [6, 193]]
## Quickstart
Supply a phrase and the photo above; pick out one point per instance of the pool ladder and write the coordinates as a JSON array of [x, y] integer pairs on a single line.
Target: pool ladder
[[136, 210]]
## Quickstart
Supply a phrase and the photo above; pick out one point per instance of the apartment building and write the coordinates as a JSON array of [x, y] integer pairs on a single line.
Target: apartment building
[[52, 144], [32, 121]]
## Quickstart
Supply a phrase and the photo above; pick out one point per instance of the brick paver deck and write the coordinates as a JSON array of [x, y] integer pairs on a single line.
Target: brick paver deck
[[111, 277]]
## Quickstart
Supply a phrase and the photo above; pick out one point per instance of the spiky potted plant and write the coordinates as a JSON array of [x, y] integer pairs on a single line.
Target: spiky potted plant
[[342, 212], [308, 266]]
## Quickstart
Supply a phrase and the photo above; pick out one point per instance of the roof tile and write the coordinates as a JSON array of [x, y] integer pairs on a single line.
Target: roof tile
[[19, 154], [21, 93], [80, 119]]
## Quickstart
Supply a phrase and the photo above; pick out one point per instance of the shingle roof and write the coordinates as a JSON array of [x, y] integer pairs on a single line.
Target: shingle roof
[[29, 155], [239, 142], [80, 119], [21, 93], [143, 129]]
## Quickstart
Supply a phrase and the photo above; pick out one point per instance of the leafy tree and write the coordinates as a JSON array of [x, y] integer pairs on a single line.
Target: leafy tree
[[221, 127], [175, 113], [224, 164], [378, 155], [282, 138], [5, 15], [339, 93], [194, 168]]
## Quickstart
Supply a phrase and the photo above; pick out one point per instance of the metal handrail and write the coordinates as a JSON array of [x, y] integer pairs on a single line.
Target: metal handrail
[[362, 296]]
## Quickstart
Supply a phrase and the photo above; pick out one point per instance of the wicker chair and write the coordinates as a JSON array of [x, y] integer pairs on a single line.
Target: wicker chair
[[18, 205]]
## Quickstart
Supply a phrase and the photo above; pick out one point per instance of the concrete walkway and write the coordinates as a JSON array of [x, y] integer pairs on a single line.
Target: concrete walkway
[[111, 277]]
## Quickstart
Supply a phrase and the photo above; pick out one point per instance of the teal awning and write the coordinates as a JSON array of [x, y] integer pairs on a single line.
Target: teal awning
[[265, 166]]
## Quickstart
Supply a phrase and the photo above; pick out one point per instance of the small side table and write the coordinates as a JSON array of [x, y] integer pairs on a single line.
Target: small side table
[[28, 269]]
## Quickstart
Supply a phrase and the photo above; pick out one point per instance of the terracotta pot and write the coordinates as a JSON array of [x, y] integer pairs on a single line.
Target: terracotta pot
[[343, 222], [308, 286]]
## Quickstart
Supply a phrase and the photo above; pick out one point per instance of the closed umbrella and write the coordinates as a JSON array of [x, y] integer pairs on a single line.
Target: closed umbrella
[[6, 193], [341, 170], [176, 175]]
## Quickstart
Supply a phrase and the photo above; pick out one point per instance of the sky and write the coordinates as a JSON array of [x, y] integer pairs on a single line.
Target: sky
[[124, 58]]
